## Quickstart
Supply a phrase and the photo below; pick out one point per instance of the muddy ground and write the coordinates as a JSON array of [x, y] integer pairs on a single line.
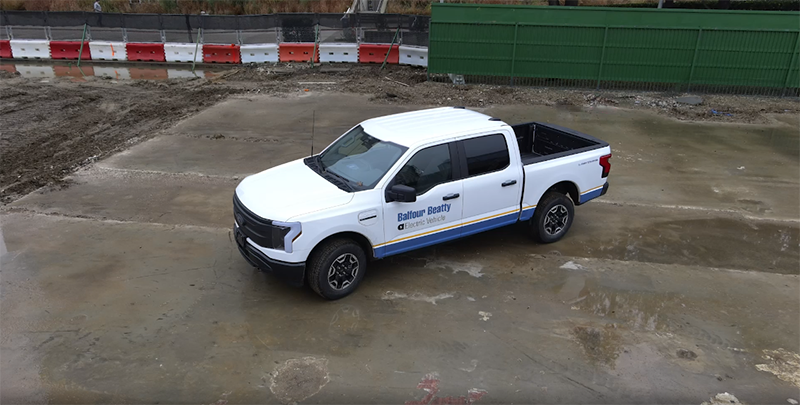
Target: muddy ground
[[50, 128]]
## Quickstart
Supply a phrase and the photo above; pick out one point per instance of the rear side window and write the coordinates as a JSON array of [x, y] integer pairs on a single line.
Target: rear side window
[[486, 154]]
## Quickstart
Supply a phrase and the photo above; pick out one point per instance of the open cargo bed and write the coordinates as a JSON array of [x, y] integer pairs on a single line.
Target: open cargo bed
[[539, 142]]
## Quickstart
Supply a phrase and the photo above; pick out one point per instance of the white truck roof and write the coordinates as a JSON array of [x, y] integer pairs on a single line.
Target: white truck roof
[[411, 128]]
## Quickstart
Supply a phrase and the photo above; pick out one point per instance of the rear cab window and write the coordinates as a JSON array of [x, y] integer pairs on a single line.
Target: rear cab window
[[485, 154]]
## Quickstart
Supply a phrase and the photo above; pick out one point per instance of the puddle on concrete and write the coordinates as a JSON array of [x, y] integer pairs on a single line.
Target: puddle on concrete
[[601, 345], [638, 310], [114, 71], [299, 379]]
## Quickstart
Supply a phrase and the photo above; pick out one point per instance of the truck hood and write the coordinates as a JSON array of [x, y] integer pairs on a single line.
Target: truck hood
[[289, 190]]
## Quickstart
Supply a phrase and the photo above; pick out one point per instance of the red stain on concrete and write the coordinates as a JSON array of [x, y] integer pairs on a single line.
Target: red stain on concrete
[[430, 384]]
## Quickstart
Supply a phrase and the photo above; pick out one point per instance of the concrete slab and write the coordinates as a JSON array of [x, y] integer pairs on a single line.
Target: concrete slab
[[208, 156], [177, 316], [270, 117], [147, 197]]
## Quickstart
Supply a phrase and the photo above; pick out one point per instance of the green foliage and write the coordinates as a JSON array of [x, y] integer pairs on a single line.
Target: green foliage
[[169, 6]]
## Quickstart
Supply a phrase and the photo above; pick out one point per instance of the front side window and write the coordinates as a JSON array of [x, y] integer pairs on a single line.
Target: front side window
[[426, 169], [486, 154], [360, 158]]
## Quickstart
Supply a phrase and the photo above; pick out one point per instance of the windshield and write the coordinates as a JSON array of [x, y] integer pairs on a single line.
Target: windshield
[[360, 158]]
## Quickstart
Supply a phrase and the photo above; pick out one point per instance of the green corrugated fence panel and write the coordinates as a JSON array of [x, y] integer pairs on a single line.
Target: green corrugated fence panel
[[474, 49], [649, 55], [558, 52], [606, 16], [745, 58], [658, 46]]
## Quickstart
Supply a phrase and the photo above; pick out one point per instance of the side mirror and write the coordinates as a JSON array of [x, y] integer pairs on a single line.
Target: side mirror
[[401, 193]]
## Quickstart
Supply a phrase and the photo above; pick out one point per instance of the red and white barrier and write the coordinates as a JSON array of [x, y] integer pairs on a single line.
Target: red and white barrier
[[209, 53], [376, 53], [259, 53], [297, 52], [30, 49], [145, 52], [180, 52], [413, 55], [70, 50], [221, 54], [5, 49], [347, 53], [104, 50]]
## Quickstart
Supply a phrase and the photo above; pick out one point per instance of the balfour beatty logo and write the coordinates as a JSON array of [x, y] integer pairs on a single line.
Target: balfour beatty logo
[[437, 209]]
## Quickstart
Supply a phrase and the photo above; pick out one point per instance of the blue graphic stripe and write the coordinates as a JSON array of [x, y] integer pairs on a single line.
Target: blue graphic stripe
[[444, 236], [416, 243], [527, 214], [590, 195], [476, 227]]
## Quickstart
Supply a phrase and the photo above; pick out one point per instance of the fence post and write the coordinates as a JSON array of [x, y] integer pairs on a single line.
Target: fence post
[[196, 45], [694, 58], [791, 63], [514, 52], [602, 59], [316, 41], [80, 53]]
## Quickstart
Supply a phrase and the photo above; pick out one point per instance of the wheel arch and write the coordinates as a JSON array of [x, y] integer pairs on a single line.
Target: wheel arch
[[356, 237], [565, 187]]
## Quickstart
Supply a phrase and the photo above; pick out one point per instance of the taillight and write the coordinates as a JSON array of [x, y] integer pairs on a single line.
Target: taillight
[[605, 164]]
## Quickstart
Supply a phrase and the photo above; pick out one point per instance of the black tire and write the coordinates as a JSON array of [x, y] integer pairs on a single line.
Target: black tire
[[552, 218], [337, 256]]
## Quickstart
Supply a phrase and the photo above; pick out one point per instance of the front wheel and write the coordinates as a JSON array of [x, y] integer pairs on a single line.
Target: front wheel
[[336, 268], [552, 218]]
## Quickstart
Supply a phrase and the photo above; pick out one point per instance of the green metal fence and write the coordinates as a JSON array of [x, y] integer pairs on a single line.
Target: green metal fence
[[679, 50]]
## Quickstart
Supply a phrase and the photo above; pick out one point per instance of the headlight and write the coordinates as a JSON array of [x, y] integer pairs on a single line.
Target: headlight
[[284, 233]]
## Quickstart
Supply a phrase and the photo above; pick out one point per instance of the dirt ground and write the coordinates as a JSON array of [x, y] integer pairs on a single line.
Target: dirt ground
[[50, 128]]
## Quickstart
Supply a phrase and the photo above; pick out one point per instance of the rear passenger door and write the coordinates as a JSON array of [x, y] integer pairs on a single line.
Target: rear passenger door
[[492, 183]]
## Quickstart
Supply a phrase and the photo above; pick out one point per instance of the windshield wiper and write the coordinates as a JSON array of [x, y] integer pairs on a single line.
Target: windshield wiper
[[341, 180], [319, 162]]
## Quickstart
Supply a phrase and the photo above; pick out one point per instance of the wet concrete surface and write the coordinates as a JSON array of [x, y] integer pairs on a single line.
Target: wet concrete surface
[[126, 287]]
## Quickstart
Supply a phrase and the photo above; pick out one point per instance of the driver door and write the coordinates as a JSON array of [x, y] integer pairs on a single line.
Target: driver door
[[435, 216]]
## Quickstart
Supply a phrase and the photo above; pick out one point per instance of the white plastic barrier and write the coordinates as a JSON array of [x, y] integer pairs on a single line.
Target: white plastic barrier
[[104, 50], [30, 49], [36, 72], [259, 53], [338, 53], [411, 55], [113, 72], [176, 52], [183, 73]]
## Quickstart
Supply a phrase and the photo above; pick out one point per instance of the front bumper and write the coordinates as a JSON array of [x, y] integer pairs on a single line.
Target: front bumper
[[292, 273]]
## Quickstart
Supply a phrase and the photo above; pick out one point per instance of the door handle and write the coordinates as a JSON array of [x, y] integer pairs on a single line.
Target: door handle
[[509, 183], [451, 196]]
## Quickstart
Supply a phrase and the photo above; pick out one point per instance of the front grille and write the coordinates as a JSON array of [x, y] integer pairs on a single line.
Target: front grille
[[259, 230]]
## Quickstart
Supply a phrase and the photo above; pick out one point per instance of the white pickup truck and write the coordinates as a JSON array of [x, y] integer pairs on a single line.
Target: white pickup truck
[[401, 182]]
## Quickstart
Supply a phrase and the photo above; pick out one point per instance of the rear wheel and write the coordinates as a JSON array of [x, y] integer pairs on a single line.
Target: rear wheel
[[336, 268], [552, 218]]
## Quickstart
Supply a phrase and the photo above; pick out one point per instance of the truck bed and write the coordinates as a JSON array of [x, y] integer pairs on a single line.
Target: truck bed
[[539, 142]]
